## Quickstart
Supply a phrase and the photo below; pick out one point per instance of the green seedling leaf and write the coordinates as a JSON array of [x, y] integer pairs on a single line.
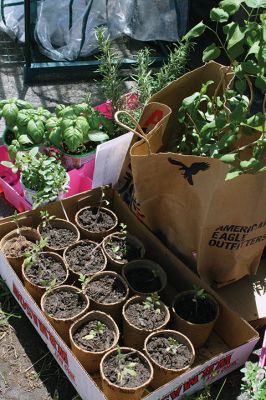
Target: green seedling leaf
[[228, 158], [97, 136], [196, 31], [255, 3], [211, 53], [219, 15], [230, 6]]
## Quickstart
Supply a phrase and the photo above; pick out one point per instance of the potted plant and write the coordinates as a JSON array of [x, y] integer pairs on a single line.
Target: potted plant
[[75, 131], [195, 313], [15, 243], [43, 178], [125, 374], [170, 353], [59, 233], [122, 247], [42, 270], [91, 337], [25, 125], [96, 222], [107, 292], [223, 126], [144, 276], [84, 258], [63, 305], [141, 316]]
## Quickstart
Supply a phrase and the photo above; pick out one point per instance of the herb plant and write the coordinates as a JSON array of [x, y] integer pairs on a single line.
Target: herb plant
[[216, 125], [152, 302], [31, 256], [122, 247], [77, 129], [42, 174], [254, 381], [46, 218], [96, 331], [124, 368], [199, 294]]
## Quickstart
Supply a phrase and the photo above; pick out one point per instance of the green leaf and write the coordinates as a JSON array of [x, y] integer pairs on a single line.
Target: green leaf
[[33, 152], [241, 85], [7, 164], [98, 136], [234, 173], [10, 113], [189, 101], [36, 131], [248, 164], [228, 158], [82, 125], [230, 6], [211, 53], [55, 137], [219, 15], [254, 49], [24, 139], [235, 39], [255, 3], [196, 31], [73, 138]]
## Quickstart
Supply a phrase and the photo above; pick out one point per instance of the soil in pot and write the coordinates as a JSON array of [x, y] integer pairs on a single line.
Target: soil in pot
[[9, 137], [143, 280], [145, 318], [197, 311], [106, 289], [94, 336], [58, 238], [114, 368], [169, 353], [45, 271], [83, 259], [64, 304], [95, 221], [122, 249], [17, 246]]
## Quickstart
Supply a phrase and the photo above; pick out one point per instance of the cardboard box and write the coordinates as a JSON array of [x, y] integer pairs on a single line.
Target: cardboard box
[[248, 296], [227, 349]]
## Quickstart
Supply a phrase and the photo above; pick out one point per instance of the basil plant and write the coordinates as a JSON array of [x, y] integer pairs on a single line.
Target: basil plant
[[77, 129], [218, 125], [25, 123], [43, 174]]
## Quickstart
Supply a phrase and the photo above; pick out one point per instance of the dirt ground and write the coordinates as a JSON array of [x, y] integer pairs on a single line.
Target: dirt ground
[[27, 370]]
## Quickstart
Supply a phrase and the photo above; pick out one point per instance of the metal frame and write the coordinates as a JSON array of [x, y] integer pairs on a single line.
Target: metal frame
[[34, 70]]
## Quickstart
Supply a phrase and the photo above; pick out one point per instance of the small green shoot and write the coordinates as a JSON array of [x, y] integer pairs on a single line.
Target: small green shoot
[[84, 280], [173, 346], [98, 330], [31, 256], [15, 219], [124, 368], [152, 302], [48, 285], [199, 294], [46, 218]]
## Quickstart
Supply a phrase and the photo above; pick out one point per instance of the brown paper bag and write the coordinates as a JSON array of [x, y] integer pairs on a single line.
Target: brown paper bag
[[216, 225]]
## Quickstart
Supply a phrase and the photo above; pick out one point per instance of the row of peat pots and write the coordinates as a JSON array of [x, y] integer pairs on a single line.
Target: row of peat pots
[[95, 287]]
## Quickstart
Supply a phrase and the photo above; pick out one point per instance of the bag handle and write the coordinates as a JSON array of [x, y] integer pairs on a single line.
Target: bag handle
[[140, 134]]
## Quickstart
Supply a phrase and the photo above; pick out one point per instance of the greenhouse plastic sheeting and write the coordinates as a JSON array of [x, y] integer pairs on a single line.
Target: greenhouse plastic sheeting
[[65, 29]]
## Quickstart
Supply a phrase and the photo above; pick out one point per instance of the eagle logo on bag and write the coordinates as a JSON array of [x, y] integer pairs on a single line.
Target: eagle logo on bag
[[190, 171]]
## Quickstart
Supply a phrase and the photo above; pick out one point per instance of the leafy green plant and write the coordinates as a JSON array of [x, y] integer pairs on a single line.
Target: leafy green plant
[[152, 302], [125, 368], [48, 284], [9, 110], [96, 331], [122, 247], [40, 173], [216, 125], [112, 83], [46, 218], [31, 256], [254, 381], [77, 129]]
